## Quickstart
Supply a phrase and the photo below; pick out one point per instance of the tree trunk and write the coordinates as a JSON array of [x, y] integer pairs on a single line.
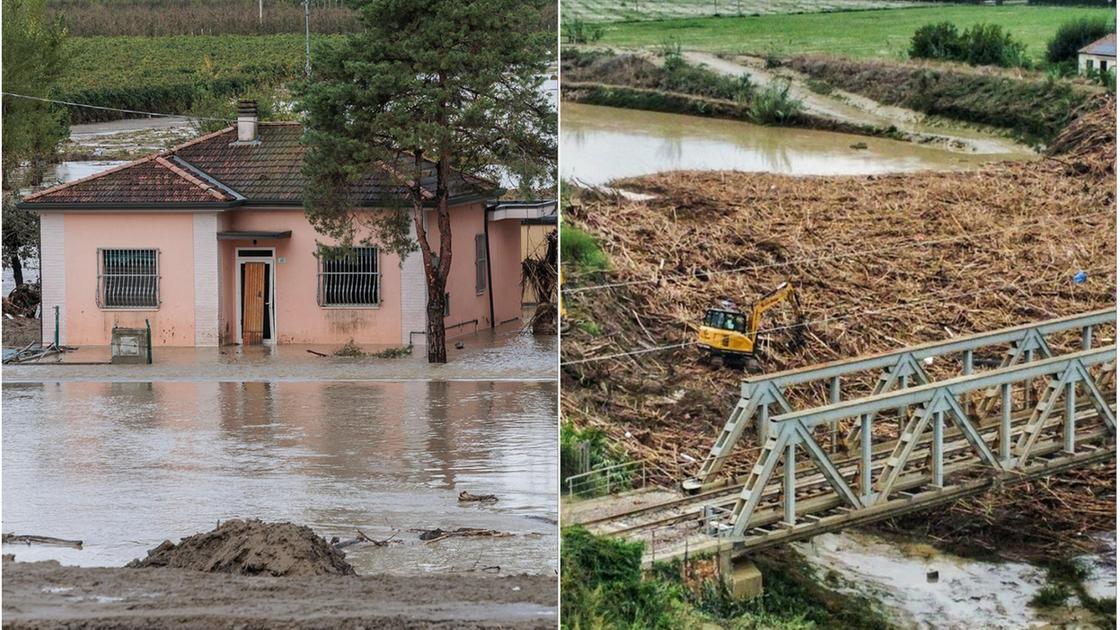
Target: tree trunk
[[17, 269], [437, 334]]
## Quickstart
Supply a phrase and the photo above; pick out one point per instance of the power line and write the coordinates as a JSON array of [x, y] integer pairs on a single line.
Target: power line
[[806, 260], [817, 321], [115, 109]]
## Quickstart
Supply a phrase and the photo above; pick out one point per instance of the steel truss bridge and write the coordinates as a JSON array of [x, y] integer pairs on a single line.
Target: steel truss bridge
[[1044, 402]]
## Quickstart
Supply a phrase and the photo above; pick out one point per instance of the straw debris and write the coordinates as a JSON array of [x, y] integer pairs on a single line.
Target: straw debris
[[879, 262]]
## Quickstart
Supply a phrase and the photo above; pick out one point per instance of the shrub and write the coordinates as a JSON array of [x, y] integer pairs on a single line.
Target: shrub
[[602, 586], [679, 76], [1051, 596], [570, 439], [221, 108], [990, 45], [774, 105], [580, 249], [671, 49], [937, 41], [1075, 35], [979, 45], [578, 31]]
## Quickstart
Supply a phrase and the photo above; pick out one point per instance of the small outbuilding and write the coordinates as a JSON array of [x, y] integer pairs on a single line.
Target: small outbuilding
[[1100, 56]]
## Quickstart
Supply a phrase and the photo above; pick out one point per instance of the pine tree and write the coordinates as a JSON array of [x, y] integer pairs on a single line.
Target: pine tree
[[449, 84]]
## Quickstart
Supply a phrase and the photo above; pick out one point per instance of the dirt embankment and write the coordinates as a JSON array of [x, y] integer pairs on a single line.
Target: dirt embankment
[[641, 81], [879, 262], [1034, 108], [251, 574]]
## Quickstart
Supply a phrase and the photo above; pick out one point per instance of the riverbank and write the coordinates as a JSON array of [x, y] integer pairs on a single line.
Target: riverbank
[[1032, 107], [958, 110], [48, 595]]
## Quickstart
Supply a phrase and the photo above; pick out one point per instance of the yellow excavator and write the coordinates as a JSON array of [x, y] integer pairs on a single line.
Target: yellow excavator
[[732, 335]]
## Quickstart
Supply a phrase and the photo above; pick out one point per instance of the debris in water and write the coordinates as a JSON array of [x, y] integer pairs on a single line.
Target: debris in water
[[352, 349], [466, 497], [362, 538], [432, 535], [14, 539]]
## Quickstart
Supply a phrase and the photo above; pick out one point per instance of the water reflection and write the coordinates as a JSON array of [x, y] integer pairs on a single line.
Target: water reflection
[[604, 143], [125, 465]]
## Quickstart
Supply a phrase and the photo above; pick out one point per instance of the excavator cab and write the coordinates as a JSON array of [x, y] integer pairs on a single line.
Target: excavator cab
[[730, 333]]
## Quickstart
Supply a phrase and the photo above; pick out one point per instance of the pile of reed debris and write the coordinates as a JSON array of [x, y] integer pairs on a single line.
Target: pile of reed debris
[[880, 262]]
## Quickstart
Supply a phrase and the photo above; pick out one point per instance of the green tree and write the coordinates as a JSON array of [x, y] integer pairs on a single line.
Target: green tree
[[1075, 35], [33, 130], [426, 87]]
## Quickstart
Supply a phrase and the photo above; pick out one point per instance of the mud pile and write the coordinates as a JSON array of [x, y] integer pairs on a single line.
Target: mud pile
[[879, 263], [251, 547]]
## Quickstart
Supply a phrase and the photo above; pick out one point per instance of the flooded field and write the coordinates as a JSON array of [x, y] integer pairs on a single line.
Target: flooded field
[[604, 143], [123, 466]]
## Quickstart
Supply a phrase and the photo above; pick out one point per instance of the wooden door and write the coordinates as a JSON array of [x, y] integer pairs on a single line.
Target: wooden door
[[252, 304]]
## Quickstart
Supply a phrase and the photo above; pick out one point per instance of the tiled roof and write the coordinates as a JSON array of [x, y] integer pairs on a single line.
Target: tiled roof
[[1105, 46], [153, 179], [216, 168]]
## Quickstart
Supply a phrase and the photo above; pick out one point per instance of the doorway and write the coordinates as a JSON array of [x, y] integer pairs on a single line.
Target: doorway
[[256, 303]]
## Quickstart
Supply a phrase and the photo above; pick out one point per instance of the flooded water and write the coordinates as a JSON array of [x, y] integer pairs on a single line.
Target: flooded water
[[599, 144], [64, 172], [963, 592], [123, 466], [60, 173]]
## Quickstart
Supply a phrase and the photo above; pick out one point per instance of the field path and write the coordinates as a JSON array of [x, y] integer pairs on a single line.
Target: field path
[[852, 108]]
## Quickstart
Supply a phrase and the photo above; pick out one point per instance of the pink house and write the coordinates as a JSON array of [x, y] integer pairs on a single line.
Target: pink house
[[208, 242]]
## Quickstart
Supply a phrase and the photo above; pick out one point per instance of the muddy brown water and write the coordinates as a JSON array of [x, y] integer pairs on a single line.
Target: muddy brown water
[[599, 144], [123, 466]]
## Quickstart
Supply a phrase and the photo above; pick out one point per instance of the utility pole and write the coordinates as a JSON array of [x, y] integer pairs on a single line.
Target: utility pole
[[307, 36], [260, 12]]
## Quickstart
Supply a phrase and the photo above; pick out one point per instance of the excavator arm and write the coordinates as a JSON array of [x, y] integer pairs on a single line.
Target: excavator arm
[[783, 292]]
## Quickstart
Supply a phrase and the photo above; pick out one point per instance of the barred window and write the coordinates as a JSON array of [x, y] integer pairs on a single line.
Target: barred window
[[128, 278], [479, 263], [350, 279]]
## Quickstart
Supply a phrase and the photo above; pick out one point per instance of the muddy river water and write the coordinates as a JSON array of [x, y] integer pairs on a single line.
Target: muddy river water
[[123, 466], [599, 144]]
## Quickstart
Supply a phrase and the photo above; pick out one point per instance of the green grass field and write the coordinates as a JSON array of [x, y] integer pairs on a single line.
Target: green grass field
[[642, 10], [864, 34]]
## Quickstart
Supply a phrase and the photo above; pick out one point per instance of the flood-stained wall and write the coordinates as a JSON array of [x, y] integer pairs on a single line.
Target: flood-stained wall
[[199, 302]]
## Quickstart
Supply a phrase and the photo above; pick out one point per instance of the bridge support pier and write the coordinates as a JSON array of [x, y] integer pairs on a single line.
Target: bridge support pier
[[741, 576]]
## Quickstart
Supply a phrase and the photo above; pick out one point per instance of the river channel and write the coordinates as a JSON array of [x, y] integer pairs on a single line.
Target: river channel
[[123, 466], [599, 144]]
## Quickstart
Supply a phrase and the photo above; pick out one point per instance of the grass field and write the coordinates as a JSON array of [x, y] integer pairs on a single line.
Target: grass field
[[863, 34], [641, 10]]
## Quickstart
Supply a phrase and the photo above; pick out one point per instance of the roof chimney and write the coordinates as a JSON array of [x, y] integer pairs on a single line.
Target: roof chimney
[[247, 121]]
